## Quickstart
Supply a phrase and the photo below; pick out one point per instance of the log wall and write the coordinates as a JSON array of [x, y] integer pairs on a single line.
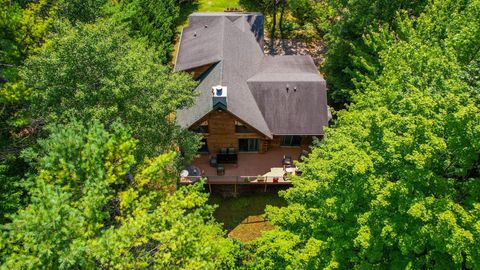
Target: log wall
[[221, 134]]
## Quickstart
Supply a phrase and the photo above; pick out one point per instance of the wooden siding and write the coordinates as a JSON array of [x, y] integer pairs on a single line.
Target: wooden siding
[[197, 72], [221, 132]]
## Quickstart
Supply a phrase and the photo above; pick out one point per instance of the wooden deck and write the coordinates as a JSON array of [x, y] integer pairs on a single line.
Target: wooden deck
[[251, 169]]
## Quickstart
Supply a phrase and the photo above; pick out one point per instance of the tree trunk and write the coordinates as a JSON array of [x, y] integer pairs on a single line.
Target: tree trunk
[[274, 18], [282, 12], [274, 25]]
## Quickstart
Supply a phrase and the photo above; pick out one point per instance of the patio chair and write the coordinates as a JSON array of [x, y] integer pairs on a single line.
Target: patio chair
[[287, 161], [213, 161], [220, 169]]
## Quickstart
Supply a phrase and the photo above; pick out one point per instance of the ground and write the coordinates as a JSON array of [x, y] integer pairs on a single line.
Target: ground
[[242, 217]]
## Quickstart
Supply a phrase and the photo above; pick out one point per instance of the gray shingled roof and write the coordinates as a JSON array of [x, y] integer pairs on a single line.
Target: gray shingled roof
[[200, 45], [302, 110], [241, 55], [232, 43]]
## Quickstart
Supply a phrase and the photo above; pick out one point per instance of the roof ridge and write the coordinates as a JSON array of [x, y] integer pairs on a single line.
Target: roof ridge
[[222, 48]]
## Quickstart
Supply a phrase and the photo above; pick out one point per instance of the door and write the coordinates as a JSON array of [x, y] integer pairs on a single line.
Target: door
[[204, 146], [248, 145]]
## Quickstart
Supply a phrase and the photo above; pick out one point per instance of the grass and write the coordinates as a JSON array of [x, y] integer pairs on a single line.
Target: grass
[[242, 217], [217, 5]]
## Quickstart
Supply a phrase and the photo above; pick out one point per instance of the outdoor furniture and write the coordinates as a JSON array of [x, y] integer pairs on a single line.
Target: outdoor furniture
[[290, 170], [213, 161], [220, 169], [193, 171], [227, 156], [287, 161]]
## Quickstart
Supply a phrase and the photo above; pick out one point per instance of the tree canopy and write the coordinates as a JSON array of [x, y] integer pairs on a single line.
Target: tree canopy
[[344, 38], [396, 182], [153, 20], [96, 71], [88, 209], [24, 28]]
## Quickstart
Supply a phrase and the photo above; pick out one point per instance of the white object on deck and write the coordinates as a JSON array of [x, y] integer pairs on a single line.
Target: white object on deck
[[184, 173], [290, 169], [275, 172]]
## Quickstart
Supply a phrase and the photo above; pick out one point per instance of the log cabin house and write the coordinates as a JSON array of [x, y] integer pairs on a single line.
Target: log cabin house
[[248, 102]]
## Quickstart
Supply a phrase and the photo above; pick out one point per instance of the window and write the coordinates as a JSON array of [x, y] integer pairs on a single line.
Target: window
[[204, 146], [248, 145], [202, 128], [291, 140], [241, 128]]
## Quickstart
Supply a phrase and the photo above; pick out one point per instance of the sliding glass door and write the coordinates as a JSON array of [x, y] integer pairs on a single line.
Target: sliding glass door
[[248, 145], [291, 140]]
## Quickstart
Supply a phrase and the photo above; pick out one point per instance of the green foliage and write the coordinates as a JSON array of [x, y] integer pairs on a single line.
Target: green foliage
[[351, 20], [177, 234], [77, 170], [154, 20], [22, 33], [302, 10], [396, 183], [90, 210], [97, 72], [10, 192], [24, 27], [85, 11]]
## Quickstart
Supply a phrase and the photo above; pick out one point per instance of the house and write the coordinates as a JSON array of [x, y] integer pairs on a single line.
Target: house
[[247, 100]]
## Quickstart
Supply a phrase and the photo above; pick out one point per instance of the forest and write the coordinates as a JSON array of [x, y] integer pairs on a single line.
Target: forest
[[89, 154]]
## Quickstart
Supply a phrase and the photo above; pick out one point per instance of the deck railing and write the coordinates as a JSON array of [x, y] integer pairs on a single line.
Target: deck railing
[[237, 180]]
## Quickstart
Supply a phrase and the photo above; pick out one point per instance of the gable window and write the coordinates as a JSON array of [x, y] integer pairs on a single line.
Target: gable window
[[248, 145], [291, 140], [241, 128], [202, 128]]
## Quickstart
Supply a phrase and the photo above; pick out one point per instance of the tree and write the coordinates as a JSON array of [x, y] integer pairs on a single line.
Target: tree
[[274, 18], [396, 183], [283, 5], [302, 10], [95, 71], [22, 31], [350, 21], [24, 28], [154, 20], [10, 193], [82, 11], [89, 209]]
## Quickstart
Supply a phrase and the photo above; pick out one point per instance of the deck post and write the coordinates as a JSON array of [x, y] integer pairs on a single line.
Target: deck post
[[265, 186], [210, 187]]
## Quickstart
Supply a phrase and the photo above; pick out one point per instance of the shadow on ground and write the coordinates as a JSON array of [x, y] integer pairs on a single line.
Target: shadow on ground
[[187, 8], [242, 217]]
